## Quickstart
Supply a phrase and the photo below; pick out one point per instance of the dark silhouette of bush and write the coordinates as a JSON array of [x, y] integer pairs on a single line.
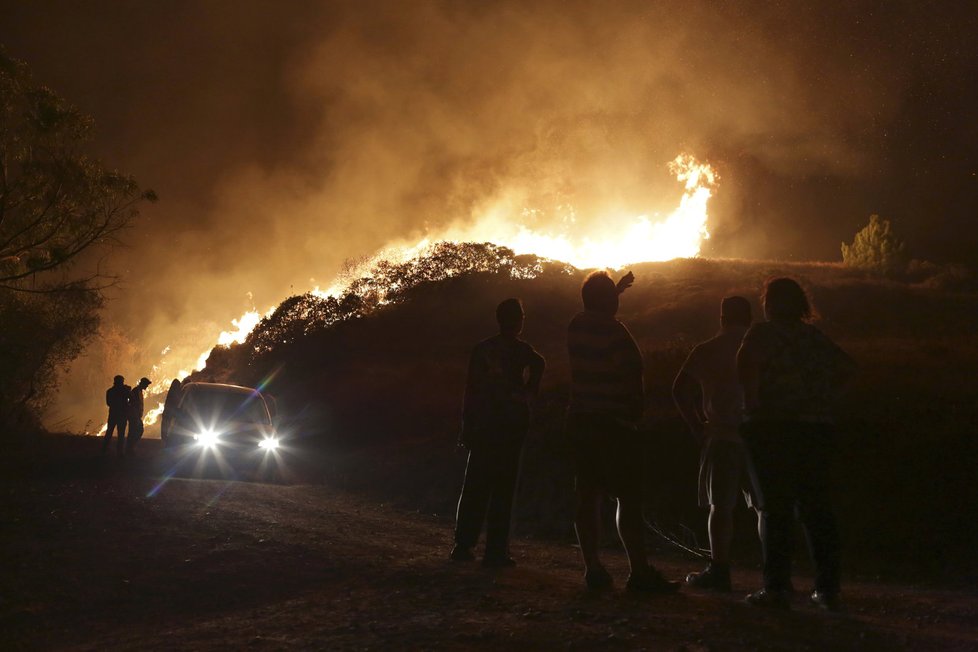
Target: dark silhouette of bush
[[40, 335]]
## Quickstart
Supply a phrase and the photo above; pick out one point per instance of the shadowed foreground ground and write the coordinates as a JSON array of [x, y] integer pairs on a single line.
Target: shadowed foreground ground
[[93, 559]]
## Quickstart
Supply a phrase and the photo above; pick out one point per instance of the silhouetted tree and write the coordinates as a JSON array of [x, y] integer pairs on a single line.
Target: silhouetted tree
[[877, 248], [56, 204]]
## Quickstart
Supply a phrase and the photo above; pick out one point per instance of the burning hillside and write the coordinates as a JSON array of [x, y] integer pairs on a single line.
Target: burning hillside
[[521, 238], [383, 367]]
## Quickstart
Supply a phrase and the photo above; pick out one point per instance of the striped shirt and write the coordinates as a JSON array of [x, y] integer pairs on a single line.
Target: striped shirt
[[606, 367]]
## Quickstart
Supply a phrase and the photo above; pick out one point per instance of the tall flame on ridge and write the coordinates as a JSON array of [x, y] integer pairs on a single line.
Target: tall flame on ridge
[[620, 240]]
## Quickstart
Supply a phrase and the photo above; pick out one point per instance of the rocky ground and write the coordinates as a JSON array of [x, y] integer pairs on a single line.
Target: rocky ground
[[101, 554]]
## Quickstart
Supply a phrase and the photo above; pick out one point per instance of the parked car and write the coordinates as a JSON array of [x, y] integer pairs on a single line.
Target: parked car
[[226, 422]]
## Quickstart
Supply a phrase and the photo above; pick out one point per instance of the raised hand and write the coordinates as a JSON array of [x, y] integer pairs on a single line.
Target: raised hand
[[625, 282]]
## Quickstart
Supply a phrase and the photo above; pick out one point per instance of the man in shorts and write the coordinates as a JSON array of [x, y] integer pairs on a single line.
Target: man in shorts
[[710, 371], [606, 404]]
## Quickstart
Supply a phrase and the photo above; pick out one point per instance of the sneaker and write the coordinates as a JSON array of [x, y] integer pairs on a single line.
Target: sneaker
[[714, 578], [461, 554], [771, 598], [650, 581], [598, 579], [826, 600], [498, 561]]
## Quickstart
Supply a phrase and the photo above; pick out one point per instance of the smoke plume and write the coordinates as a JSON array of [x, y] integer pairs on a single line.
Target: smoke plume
[[285, 139]]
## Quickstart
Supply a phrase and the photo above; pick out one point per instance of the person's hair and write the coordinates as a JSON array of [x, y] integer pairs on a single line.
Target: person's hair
[[783, 298], [118, 380], [735, 310], [508, 314], [600, 293], [144, 381]]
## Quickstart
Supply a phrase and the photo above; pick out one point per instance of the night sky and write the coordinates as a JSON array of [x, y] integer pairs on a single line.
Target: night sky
[[284, 138]]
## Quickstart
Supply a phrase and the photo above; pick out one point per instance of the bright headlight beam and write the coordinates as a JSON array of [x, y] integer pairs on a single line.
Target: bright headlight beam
[[207, 439], [269, 443]]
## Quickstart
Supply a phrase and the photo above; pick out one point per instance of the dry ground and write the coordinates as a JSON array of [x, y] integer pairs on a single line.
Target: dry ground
[[98, 556]]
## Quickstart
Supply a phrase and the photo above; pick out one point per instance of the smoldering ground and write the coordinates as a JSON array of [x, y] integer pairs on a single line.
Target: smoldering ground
[[284, 140]]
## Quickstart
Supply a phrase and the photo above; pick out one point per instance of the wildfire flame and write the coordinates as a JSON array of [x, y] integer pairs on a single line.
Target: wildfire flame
[[618, 242]]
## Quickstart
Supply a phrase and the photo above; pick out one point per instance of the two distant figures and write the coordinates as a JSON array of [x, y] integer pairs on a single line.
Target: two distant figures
[[125, 413], [757, 399]]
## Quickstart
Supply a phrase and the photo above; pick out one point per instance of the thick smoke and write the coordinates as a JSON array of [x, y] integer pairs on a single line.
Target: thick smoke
[[284, 139]]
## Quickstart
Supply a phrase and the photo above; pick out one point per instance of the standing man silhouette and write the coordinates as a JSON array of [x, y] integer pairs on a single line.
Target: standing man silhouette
[[710, 373], [136, 415], [504, 375], [607, 402], [117, 398]]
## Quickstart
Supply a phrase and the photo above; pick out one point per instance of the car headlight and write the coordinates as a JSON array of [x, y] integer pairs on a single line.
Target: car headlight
[[207, 439], [268, 443]]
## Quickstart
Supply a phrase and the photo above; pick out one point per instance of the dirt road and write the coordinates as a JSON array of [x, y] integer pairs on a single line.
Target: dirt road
[[101, 555]]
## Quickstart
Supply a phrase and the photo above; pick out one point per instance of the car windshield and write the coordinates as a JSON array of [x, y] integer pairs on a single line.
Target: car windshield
[[217, 405]]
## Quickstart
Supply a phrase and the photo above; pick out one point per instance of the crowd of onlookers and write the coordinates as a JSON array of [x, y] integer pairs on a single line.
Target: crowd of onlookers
[[757, 398]]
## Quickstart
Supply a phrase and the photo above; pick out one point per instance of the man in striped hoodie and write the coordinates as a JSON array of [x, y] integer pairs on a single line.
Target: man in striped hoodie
[[607, 402]]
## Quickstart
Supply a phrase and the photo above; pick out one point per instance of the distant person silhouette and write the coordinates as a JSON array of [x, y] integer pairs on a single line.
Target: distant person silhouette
[[117, 398], [173, 396], [504, 375], [136, 415], [606, 404], [709, 396], [791, 374]]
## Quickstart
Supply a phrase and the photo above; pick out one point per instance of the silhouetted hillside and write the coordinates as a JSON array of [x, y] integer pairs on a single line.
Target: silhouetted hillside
[[375, 379]]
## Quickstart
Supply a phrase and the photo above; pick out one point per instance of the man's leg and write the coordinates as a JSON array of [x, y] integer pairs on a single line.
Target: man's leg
[[815, 510], [110, 426], [720, 527], [135, 434], [728, 471], [120, 444], [722, 474], [716, 576], [587, 524], [774, 463], [589, 452], [776, 546], [631, 531], [822, 534], [473, 500], [505, 474], [626, 473]]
